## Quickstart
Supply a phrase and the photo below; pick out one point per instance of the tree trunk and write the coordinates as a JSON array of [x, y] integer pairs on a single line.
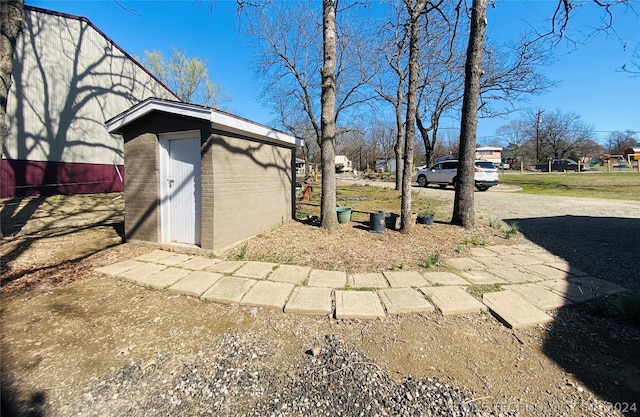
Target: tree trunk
[[10, 24], [463, 206], [414, 69], [328, 117], [399, 147]]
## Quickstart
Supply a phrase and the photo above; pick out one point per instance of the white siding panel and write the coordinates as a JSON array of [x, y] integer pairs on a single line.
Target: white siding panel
[[68, 80]]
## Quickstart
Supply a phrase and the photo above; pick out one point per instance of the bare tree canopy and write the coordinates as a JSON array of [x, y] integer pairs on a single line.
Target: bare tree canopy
[[187, 77]]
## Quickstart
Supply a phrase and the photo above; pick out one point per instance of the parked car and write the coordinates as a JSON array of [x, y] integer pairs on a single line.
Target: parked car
[[562, 165], [446, 173]]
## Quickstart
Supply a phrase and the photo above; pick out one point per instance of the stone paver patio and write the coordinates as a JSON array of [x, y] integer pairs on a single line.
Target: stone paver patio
[[528, 280]]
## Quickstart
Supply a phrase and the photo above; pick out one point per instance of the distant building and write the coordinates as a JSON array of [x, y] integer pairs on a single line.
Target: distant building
[[343, 164], [490, 153]]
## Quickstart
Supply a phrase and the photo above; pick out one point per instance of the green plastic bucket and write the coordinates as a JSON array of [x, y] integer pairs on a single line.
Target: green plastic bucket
[[377, 222], [344, 214]]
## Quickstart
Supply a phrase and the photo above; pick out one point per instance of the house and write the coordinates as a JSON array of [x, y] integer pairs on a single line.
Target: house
[[632, 154], [490, 153], [343, 164], [201, 176], [68, 78]]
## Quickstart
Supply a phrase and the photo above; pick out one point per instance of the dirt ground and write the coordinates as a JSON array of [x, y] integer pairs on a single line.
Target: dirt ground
[[64, 327]]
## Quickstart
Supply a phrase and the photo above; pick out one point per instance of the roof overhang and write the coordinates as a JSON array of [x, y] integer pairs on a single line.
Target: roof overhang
[[218, 119]]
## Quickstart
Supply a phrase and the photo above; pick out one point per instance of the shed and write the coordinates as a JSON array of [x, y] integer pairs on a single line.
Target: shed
[[201, 176]]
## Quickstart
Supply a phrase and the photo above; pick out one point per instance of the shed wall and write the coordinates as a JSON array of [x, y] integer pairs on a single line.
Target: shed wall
[[142, 207], [252, 188]]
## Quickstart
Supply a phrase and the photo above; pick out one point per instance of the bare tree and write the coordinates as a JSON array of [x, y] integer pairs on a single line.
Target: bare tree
[[618, 142], [561, 134], [463, 206], [187, 77], [392, 80], [300, 67]]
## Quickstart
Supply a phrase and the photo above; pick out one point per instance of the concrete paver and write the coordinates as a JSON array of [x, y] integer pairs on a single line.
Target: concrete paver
[[504, 249], [598, 285], [514, 310], [358, 305], [566, 267], [444, 278], [155, 255], [404, 300], [534, 280], [174, 259], [368, 280], [255, 270], [229, 289], [403, 279], [574, 292], [327, 279], [515, 275], [494, 262], [309, 300], [119, 268], [141, 272], [547, 257], [196, 283], [541, 297], [481, 278], [164, 278], [522, 259], [547, 271], [268, 294], [453, 300], [476, 252], [464, 263], [226, 267], [199, 263], [290, 273]]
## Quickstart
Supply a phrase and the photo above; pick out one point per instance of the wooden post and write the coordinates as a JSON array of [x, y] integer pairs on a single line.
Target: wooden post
[[521, 167]]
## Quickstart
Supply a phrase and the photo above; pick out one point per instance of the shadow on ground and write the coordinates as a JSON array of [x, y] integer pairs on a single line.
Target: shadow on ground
[[594, 341]]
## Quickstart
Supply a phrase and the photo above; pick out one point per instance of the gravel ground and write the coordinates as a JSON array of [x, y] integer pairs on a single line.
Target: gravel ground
[[330, 379]]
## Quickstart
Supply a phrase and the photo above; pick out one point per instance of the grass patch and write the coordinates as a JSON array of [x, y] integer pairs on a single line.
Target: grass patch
[[474, 240], [432, 260], [478, 290], [512, 230], [615, 185], [365, 199], [243, 251]]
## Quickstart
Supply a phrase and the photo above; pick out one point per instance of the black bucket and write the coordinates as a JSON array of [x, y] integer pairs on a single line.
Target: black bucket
[[377, 222]]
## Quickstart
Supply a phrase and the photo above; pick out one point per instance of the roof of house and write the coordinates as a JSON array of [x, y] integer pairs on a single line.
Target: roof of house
[[218, 118]]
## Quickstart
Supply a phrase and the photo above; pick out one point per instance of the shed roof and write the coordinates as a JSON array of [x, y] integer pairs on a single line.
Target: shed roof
[[219, 119]]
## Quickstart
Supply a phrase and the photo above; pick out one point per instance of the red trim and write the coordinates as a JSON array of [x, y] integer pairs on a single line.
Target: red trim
[[87, 21], [20, 178]]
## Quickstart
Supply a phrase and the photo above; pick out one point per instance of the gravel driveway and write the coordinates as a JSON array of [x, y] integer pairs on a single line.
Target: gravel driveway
[[599, 236]]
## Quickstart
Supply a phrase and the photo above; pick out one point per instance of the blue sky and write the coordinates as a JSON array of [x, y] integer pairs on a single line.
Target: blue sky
[[589, 81]]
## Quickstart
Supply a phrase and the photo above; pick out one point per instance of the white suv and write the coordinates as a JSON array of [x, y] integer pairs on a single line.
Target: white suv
[[446, 173]]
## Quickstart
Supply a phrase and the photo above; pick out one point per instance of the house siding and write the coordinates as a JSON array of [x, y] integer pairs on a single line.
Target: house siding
[[68, 78], [251, 187]]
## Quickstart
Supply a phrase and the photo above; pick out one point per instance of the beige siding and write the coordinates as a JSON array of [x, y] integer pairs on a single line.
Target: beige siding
[[67, 81], [142, 212], [251, 189]]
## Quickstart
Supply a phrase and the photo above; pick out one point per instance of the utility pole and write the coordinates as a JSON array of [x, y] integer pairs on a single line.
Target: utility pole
[[538, 121]]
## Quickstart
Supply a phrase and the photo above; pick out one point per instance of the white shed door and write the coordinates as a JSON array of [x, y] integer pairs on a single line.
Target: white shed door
[[181, 196]]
